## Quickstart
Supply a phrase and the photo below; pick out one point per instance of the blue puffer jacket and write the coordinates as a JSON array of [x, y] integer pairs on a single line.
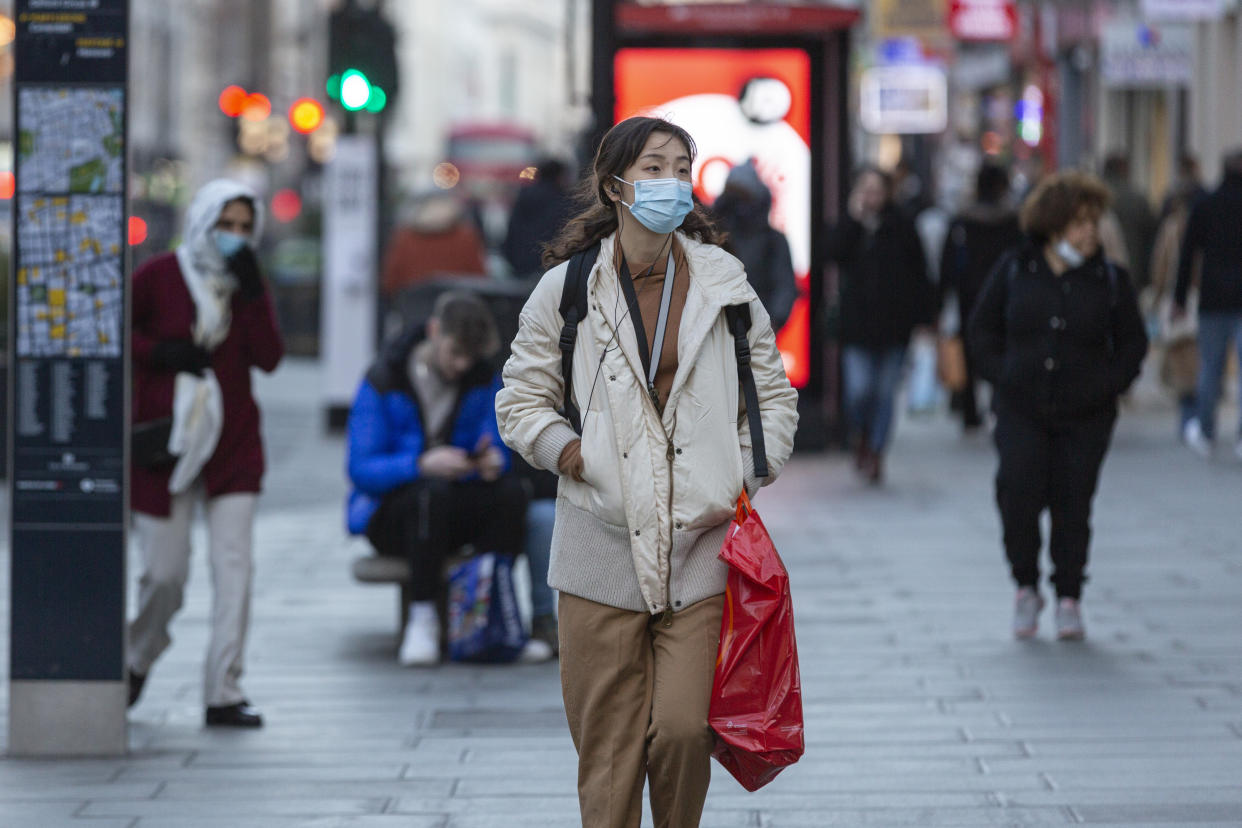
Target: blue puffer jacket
[[385, 429]]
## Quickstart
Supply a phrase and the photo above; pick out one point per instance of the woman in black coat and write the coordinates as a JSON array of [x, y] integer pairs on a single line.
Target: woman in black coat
[[1058, 333], [884, 295], [977, 239]]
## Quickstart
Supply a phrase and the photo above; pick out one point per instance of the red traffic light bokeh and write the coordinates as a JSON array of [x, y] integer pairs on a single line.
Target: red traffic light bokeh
[[236, 102], [232, 101], [137, 231], [286, 205]]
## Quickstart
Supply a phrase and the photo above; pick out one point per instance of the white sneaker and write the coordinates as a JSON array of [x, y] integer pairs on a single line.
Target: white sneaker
[[1026, 608], [1069, 620], [1196, 440], [536, 652], [420, 646]]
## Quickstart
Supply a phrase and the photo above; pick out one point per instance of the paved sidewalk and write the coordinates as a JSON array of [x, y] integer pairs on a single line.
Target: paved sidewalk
[[921, 709]]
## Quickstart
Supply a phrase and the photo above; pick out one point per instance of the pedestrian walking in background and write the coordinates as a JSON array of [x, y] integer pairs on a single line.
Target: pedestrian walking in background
[[884, 295], [1186, 187], [742, 211], [435, 238], [1135, 217], [1178, 342], [977, 238], [542, 207], [649, 486], [1214, 239], [1057, 331], [202, 318], [538, 215], [425, 459]]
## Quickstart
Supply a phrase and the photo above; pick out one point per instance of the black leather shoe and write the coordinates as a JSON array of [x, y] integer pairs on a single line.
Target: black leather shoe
[[234, 715], [136, 683]]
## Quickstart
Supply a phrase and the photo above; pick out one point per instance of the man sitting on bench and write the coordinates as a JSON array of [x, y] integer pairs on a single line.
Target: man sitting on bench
[[426, 461]]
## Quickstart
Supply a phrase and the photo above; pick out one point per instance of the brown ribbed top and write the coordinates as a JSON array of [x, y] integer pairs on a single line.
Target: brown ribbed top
[[649, 288]]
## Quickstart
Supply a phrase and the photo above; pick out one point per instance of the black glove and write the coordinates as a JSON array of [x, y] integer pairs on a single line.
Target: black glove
[[245, 266], [180, 355]]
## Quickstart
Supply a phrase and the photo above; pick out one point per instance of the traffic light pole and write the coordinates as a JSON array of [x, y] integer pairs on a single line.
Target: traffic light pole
[[363, 71]]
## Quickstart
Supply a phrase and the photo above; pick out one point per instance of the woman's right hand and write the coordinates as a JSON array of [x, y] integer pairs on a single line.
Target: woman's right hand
[[570, 464]]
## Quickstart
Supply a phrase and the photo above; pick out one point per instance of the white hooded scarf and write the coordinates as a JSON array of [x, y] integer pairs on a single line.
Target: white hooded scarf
[[198, 405]]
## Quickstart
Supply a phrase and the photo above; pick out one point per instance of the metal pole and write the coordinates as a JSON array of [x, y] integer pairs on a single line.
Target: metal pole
[[603, 94]]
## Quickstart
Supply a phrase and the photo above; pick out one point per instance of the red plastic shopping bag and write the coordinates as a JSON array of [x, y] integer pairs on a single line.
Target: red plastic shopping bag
[[756, 706]]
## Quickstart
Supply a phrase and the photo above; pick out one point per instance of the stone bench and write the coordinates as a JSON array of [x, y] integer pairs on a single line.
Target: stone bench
[[383, 569]]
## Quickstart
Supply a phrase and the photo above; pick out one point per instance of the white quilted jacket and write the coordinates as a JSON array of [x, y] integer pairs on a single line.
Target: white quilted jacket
[[643, 530]]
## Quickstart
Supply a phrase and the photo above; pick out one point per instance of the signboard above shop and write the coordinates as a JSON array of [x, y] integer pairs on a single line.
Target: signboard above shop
[[983, 20], [1182, 10], [902, 100], [1138, 54], [636, 17], [923, 19]]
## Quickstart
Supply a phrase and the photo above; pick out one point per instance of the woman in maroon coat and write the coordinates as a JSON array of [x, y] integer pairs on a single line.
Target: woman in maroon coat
[[202, 317]]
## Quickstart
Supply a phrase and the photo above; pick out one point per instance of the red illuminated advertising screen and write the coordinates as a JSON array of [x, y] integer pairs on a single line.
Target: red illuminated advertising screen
[[739, 105]]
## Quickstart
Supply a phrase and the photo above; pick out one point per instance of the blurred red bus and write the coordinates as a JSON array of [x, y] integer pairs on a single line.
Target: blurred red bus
[[490, 155]]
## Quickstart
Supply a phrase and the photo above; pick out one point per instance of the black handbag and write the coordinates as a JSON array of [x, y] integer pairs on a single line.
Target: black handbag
[[148, 444]]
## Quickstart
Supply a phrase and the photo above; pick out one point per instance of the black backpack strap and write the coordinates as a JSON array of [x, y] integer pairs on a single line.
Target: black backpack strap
[[1011, 272], [738, 317], [1110, 270], [573, 310]]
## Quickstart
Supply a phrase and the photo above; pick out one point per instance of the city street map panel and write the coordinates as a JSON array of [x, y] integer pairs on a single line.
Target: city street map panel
[[71, 140], [71, 202], [69, 280]]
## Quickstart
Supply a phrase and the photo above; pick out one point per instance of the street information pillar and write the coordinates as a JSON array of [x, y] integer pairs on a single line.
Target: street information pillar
[[69, 385], [350, 240]]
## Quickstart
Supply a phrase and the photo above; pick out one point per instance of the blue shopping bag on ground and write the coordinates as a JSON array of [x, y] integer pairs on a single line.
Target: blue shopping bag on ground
[[484, 624]]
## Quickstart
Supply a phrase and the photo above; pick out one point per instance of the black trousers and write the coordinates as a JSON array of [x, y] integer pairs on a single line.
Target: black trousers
[[427, 520], [966, 401], [1053, 466]]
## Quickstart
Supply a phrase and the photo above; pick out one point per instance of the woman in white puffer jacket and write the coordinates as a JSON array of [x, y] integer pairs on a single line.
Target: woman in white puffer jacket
[[648, 488]]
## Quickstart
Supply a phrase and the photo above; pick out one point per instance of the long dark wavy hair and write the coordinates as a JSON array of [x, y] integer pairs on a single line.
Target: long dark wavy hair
[[597, 214]]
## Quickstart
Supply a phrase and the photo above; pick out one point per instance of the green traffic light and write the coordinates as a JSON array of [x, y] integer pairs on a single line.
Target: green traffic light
[[377, 101], [334, 87], [356, 90]]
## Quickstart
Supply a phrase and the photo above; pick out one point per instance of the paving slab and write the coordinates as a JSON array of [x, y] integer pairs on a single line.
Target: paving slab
[[269, 821], [920, 708]]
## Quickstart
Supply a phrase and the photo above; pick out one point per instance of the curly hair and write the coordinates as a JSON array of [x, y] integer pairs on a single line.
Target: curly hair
[[1058, 200], [597, 213]]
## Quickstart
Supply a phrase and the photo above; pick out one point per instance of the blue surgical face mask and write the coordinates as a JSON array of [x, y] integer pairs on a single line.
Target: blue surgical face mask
[[229, 243], [660, 204]]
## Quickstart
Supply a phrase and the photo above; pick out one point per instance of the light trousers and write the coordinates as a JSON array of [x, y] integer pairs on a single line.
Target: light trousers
[[636, 696], [164, 546]]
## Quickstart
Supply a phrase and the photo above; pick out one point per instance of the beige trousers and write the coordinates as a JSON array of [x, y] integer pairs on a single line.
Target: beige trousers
[[636, 696], [164, 546]]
